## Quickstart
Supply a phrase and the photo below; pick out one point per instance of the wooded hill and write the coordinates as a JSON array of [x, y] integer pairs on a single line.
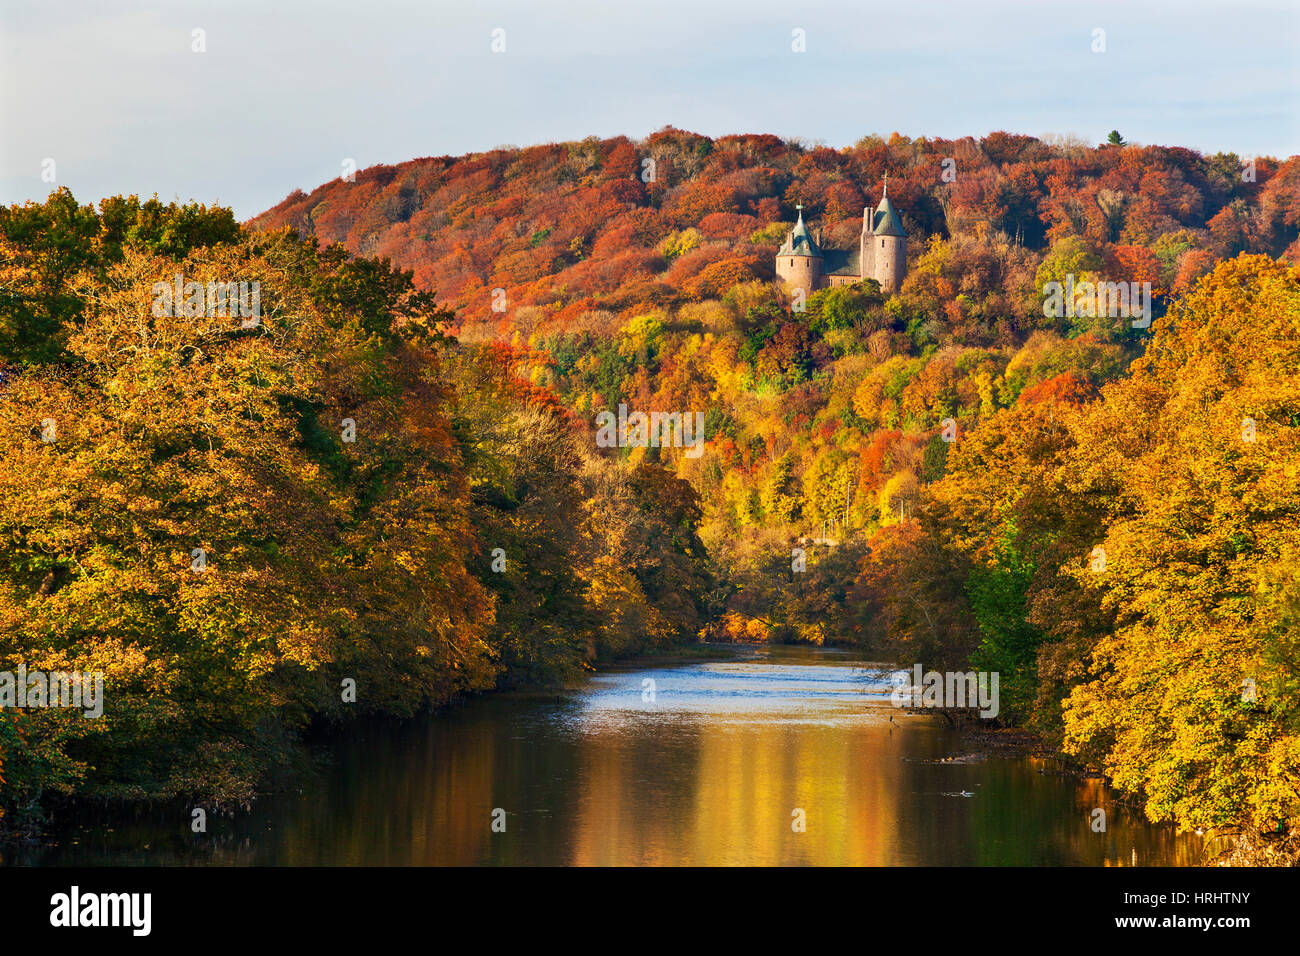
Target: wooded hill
[[1112, 526]]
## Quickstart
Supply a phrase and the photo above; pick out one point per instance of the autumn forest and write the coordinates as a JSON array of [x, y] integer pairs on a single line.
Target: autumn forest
[[392, 481]]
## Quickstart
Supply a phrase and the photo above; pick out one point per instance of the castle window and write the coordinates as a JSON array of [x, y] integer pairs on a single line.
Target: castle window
[[882, 243]]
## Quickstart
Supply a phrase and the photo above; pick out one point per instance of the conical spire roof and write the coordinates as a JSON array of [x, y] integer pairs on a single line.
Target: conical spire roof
[[800, 242], [887, 222]]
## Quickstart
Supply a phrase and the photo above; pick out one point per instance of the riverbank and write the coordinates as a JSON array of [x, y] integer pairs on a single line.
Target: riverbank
[[758, 755], [309, 753], [1225, 847]]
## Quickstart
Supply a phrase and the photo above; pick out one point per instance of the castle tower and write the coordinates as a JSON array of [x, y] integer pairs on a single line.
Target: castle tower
[[888, 246], [799, 261]]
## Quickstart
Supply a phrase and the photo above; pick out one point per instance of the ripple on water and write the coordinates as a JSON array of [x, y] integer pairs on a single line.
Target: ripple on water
[[744, 693]]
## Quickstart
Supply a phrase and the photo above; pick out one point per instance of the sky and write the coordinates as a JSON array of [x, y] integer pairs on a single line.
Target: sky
[[285, 92]]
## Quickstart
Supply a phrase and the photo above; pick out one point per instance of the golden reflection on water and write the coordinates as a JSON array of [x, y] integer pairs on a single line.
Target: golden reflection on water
[[708, 772]]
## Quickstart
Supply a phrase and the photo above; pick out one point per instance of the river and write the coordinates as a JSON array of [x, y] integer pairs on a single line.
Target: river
[[771, 755]]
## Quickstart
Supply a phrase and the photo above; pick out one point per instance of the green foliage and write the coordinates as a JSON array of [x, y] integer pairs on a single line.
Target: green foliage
[[1009, 644], [936, 459], [843, 307]]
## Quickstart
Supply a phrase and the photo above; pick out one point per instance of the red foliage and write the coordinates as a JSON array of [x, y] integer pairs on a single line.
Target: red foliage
[[559, 224], [1067, 388], [1133, 264], [728, 225], [875, 462], [715, 280]]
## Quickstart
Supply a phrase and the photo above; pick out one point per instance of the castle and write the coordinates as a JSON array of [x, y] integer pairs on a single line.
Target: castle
[[881, 253]]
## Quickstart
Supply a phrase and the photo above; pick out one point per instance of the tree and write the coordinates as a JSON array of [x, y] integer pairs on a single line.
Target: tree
[[1190, 700]]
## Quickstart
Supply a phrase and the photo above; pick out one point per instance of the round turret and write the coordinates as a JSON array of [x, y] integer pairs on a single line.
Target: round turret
[[891, 262], [889, 252], [799, 261]]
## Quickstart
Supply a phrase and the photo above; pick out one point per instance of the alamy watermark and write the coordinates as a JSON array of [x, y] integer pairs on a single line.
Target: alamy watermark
[[75, 908], [1126, 300], [24, 688], [946, 689], [195, 300], [653, 430]]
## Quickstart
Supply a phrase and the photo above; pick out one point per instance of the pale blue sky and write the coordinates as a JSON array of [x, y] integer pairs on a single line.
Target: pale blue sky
[[286, 90]]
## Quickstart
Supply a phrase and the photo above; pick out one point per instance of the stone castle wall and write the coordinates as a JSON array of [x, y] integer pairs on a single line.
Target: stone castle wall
[[883, 258], [891, 262], [800, 272]]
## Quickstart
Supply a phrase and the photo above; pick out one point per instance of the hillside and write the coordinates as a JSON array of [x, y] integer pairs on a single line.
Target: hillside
[[954, 474], [421, 470], [642, 273], [572, 229]]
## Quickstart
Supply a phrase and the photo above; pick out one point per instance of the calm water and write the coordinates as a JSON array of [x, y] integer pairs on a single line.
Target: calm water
[[710, 772]]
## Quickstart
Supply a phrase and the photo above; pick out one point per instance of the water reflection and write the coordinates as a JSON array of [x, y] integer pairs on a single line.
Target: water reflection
[[707, 765]]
